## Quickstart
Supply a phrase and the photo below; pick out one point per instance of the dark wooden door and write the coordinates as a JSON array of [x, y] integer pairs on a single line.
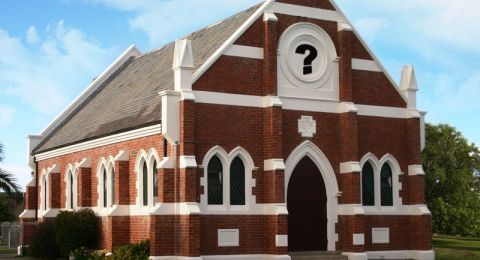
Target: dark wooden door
[[307, 209]]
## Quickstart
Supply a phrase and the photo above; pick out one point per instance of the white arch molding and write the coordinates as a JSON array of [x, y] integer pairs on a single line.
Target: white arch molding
[[310, 150], [149, 158]]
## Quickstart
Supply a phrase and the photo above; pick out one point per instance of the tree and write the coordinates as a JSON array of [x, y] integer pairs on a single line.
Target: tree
[[7, 181], [452, 167]]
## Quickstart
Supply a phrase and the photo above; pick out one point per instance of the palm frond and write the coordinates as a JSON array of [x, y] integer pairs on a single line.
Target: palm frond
[[8, 183]]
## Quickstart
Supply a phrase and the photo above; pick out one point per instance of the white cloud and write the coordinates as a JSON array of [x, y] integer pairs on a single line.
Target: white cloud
[[47, 75], [32, 36], [6, 115], [165, 20]]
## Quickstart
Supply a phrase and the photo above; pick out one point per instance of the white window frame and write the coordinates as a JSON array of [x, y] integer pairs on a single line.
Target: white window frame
[[109, 165], [226, 159], [377, 165], [74, 172], [149, 158], [44, 192]]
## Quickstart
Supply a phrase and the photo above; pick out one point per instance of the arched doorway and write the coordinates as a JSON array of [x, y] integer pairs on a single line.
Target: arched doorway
[[307, 208]]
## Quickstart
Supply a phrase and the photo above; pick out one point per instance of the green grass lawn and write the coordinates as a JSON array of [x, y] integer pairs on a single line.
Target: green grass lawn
[[450, 248], [5, 251]]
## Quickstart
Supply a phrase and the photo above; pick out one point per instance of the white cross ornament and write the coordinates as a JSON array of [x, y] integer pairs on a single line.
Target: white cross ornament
[[307, 127]]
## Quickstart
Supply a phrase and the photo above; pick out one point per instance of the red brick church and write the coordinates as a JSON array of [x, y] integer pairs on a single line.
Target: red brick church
[[271, 133]]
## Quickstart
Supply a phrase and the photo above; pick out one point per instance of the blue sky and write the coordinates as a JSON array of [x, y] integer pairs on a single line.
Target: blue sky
[[50, 50]]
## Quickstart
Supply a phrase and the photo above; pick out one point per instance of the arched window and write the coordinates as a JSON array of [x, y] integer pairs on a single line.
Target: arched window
[[215, 181], [104, 188], [386, 185], [112, 189], [237, 182], [145, 183], [70, 180], [44, 184], [155, 180], [368, 185]]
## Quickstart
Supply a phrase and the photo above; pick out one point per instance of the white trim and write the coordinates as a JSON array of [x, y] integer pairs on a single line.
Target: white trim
[[274, 165], [122, 137], [27, 213], [131, 51], [224, 257], [372, 54], [270, 17], [247, 257], [358, 239], [231, 40], [301, 104], [366, 65], [245, 52], [122, 156], [69, 190], [150, 159], [402, 254], [414, 170], [281, 240], [309, 149], [380, 235], [356, 256], [228, 237], [303, 11], [32, 183], [188, 162], [350, 167], [381, 111], [107, 165], [402, 210]]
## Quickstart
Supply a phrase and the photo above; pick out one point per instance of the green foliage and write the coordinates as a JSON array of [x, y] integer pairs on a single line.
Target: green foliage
[[75, 230], [139, 251], [6, 215], [7, 181], [452, 167], [42, 243], [86, 254]]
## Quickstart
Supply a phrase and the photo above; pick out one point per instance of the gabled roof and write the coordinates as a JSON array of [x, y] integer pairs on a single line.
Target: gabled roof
[[128, 97]]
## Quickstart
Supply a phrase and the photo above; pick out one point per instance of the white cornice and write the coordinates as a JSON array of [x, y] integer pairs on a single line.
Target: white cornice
[[126, 136], [245, 52], [131, 51]]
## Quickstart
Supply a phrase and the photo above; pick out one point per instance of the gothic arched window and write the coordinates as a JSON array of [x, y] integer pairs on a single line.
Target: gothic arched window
[[237, 182], [215, 181], [368, 185]]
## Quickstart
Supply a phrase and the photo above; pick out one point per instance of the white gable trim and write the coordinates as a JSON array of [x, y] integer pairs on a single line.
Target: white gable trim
[[304, 11], [229, 42], [367, 65], [245, 52], [131, 51]]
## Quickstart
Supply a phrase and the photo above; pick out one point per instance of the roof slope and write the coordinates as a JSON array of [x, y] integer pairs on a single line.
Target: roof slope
[[129, 98]]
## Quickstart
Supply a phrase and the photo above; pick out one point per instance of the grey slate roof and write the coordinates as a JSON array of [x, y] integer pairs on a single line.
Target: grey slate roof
[[129, 98]]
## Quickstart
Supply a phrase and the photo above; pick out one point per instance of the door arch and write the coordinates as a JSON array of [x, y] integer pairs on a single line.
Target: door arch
[[310, 150], [307, 208]]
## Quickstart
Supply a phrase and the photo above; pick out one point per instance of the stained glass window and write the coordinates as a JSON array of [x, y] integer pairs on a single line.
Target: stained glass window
[[155, 180], [104, 188], [368, 185], [215, 181], [237, 182], [70, 179], [145, 184], [386, 185], [112, 177]]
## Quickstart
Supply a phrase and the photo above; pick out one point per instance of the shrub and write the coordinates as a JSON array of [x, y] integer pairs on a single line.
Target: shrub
[[42, 242], [76, 229], [139, 251], [85, 254]]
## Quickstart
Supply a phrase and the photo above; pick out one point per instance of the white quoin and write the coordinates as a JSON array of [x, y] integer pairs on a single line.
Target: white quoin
[[32, 142], [183, 65], [408, 85]]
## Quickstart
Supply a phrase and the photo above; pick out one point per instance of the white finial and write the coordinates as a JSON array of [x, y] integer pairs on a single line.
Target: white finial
[[183, 57], [408, 85]]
